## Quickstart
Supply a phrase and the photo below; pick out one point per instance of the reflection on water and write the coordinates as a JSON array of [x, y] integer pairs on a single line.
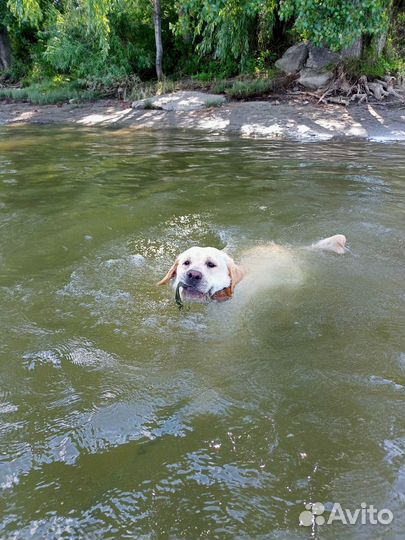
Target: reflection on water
[[125, 418]]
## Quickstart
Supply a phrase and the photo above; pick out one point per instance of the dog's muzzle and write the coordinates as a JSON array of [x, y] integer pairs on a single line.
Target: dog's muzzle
[[193, 294]]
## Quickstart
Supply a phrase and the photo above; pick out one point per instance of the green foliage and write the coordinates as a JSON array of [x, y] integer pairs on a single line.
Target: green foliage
[[337, 23], [227, 29], [105, 47], [395, 47], [72, 46], [264, 60], [148, 105], [90, 40], [392, 59], [220, 87], [48, 92], [148, 89], [214, 103], [249, 89], [26, 10], [376, 67]]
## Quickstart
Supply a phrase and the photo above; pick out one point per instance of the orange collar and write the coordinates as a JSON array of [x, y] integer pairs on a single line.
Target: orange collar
[[223, 295]]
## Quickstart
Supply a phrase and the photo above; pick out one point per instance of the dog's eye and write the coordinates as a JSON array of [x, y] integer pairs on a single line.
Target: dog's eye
[[186, 263], [211, 264]]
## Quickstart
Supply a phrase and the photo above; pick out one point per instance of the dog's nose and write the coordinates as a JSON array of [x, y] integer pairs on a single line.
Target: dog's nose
[[194, 275]]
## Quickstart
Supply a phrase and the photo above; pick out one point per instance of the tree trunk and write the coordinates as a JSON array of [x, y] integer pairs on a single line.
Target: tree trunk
[[380, 43], [5, 49], [157, 21], [355, 50]]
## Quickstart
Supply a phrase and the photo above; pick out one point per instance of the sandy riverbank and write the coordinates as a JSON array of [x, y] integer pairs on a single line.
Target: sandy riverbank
[[285, 120]]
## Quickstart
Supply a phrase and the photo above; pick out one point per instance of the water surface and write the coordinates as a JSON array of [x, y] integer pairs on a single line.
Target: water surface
[[123, 417]]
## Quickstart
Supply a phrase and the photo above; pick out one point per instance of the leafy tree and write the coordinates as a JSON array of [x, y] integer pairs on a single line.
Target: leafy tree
[[337, 23], [227, 28], [17, 36], [5, 47], [29, 11], [89, 38], [99, 42]]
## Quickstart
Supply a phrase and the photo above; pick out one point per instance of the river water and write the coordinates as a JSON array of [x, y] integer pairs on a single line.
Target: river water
[[125, 417]]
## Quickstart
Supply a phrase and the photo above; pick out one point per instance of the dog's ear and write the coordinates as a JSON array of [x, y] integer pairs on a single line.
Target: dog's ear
[[235, 272], [170, 274]]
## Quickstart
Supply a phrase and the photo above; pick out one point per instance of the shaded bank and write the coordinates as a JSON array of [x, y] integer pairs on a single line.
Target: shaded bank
[[302, 121]]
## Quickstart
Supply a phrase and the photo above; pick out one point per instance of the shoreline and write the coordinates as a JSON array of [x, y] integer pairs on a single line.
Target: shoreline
[[302, 121]]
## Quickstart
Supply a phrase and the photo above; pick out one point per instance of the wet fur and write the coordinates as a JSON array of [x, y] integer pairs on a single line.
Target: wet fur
[[260, 267]]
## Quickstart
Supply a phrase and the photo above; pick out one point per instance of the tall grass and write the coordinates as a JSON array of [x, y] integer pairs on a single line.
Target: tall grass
[[47, 94], [250, 88], [214, 103], [58, 90]]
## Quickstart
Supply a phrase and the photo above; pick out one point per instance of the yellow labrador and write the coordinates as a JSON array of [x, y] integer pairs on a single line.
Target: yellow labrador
[[206, 273]]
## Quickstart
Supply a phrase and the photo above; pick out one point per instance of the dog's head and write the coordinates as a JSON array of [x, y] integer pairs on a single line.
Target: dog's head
[[202, 273]]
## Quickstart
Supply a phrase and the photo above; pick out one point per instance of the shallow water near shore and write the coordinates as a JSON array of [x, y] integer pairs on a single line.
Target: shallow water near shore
[[125, 417]]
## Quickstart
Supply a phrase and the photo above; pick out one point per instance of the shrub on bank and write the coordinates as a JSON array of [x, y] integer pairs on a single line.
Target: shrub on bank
[[106, 48]]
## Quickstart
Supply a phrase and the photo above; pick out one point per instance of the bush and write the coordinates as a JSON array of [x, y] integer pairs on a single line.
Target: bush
[[214, 103], [220, 87], [49, 92], [248, 89], [375, 67], [108, 45], [71, 46], [229, 31]]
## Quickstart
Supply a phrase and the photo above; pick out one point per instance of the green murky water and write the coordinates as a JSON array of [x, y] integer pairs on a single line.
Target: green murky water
[[122, 417]]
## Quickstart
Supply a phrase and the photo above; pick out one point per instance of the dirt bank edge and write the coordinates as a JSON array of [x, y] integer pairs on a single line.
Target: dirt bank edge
[[263, 119]]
